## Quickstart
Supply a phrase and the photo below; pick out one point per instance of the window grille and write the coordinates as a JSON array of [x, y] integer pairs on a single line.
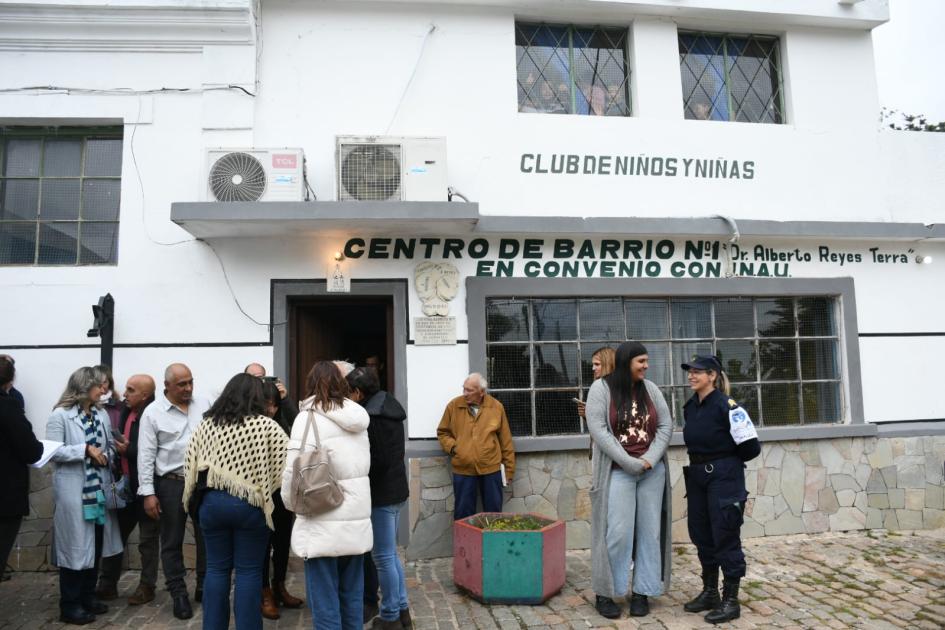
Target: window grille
[[731, 77], [572, 70], [782, 354], [59, 195]]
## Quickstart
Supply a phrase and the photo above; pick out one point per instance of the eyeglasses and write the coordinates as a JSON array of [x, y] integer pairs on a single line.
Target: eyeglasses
[[696, 372]]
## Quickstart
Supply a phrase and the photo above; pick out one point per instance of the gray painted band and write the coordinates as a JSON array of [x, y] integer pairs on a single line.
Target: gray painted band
[[211, 218], [428, 448], [911, 429], [327, 210]]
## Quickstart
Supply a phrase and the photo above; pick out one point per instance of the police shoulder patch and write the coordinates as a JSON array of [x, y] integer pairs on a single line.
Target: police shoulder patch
[[740, 425]]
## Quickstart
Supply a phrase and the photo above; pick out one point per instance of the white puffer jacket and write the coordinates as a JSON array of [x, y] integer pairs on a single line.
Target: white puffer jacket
[[345, 530]]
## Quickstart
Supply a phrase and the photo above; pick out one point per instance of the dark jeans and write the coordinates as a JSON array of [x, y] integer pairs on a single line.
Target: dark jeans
[[278, 546], [235, 533], [149, 532], [9, 528], [77, 588], [170, 493], [333, 587], [467, 487]]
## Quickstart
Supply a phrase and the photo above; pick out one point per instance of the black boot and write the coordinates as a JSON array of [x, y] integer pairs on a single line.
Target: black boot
[[729, 608], [639, 606], [607, 607], [709, 598]]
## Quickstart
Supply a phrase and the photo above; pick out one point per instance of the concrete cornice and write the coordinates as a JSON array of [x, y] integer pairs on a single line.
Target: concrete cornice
[[123, 28]]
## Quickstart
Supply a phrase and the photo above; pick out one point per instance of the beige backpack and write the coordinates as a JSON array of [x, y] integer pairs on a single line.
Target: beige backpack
[[313, 488]]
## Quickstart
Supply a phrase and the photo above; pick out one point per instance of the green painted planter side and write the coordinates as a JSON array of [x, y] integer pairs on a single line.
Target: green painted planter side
[[512, 566]]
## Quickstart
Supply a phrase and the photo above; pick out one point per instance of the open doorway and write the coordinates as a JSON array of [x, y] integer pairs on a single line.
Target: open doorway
[[353, 328]]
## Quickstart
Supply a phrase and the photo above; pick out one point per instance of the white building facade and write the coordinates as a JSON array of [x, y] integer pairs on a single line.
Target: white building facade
[[700, 175]]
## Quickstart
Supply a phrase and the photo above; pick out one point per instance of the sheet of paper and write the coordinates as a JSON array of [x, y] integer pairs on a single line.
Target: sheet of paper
[[505, 481], [49, 449]]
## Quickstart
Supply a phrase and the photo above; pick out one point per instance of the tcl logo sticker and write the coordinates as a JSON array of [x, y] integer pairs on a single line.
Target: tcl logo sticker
[[284, 160]]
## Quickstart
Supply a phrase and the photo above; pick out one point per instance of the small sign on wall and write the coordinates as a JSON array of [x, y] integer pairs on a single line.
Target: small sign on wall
[[338, 280], [434, 331]]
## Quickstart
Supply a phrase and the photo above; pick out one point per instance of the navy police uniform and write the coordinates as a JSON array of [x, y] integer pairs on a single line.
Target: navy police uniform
[[715, 478]]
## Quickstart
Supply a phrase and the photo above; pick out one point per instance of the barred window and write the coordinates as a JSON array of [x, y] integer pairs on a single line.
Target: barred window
[[572, 70], [59, 195], [782, 354], [731, 77]]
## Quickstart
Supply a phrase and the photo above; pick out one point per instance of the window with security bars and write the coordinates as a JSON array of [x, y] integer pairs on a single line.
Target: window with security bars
[[59, 195], [731, 77], [572, 70], [782, 354]]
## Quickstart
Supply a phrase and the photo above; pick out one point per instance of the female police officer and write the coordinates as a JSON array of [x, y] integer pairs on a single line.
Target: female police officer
[[719, 436]]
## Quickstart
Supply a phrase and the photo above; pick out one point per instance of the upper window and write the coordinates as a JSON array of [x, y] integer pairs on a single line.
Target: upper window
[[59, 195], [572, 70], [731, 77], [782, 354]]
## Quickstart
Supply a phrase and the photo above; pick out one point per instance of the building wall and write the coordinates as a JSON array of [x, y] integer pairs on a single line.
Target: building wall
[[175, 75]]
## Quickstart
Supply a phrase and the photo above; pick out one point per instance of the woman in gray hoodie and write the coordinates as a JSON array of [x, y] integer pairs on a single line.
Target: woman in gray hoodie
[[630, 426]]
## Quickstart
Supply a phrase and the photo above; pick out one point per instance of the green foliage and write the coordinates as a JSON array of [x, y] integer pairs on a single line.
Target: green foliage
[[894, 119], [509, 522]]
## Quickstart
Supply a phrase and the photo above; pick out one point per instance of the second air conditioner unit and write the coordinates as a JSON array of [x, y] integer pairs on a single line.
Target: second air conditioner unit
[[255, 175], [388, 168]]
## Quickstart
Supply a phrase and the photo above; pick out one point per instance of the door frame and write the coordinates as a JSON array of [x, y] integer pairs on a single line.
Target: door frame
[[283, 291]]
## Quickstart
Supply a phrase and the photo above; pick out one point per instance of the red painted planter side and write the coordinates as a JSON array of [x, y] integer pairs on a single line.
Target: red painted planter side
[[467, 557], [553, 559]]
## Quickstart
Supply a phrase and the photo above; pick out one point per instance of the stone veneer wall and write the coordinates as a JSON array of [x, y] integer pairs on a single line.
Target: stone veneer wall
[[794, 487]]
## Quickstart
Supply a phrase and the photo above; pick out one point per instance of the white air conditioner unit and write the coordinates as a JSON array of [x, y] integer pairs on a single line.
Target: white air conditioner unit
[[255, 175], [385, 168]]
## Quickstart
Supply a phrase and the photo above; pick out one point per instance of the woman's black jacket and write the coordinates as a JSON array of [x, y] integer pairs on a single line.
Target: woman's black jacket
[[388, 471], [18, 449]]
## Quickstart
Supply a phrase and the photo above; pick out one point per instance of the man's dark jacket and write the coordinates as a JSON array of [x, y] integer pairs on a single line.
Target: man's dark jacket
[[132, 452], [18, 449], [388, 474]]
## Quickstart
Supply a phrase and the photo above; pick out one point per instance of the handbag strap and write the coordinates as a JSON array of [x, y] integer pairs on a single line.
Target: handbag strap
[[310, 424]]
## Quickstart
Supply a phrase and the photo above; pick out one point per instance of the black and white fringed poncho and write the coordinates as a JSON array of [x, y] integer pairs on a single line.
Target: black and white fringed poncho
[[245, 459]]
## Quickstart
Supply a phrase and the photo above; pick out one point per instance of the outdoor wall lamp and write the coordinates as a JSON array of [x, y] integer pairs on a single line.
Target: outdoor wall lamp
[[338, 256], [923, 260]]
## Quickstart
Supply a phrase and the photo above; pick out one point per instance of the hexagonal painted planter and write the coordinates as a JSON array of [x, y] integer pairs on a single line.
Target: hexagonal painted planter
[[509, 567]]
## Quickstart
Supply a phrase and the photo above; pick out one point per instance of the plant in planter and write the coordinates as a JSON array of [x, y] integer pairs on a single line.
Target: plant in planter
[[509, 558]]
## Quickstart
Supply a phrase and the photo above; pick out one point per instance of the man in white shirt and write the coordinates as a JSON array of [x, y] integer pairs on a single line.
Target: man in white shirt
[[166, 427]]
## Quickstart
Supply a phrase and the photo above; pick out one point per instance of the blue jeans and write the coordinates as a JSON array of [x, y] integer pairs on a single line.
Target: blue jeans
[[335, 588], [634, 507], [390, 572], [235, 534], [465, 488]]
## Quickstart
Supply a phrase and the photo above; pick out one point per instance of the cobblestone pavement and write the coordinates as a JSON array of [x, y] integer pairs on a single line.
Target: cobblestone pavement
[[854, 580]]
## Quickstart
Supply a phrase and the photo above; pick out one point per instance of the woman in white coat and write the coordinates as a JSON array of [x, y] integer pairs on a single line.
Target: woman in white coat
[[83, 530], [333, 543]]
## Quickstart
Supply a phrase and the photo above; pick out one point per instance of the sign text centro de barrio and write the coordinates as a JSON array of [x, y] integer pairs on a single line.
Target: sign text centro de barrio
[[613, 258]]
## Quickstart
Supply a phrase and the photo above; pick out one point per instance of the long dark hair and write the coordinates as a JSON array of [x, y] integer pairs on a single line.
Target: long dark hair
[[241, 398], [623, 391], [327, 385]]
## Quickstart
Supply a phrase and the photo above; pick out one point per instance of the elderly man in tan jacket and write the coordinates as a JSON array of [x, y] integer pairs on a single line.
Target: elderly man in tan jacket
[[474, 432]]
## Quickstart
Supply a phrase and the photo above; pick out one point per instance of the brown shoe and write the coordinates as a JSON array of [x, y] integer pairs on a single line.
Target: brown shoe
[[284, 598], [269, 608], [142, 595]]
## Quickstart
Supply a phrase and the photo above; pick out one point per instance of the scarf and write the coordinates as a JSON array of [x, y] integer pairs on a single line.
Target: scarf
[[93, 499]]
